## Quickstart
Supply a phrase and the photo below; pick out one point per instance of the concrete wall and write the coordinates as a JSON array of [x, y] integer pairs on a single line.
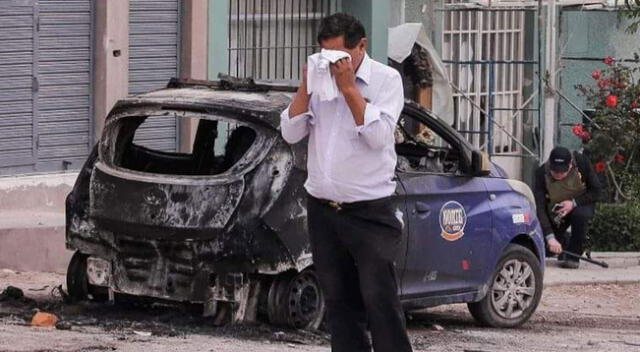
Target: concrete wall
[[591, 36], [193, 57], [111, 70], [32, 222], [423, 11]]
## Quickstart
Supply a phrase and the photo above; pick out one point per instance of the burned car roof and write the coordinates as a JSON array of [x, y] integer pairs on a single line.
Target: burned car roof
[[263, 106]]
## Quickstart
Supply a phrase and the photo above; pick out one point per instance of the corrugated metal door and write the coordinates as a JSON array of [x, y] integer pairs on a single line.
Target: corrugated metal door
[[153, 60], [16, 77], [64, 76], [45, 92]]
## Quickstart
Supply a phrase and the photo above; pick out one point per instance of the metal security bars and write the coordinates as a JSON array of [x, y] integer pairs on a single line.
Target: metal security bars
[[497, 38], [484, 53], [271, 39]]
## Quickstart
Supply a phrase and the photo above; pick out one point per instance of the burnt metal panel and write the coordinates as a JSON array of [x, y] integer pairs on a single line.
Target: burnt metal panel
[[166, 210], [154, 30]]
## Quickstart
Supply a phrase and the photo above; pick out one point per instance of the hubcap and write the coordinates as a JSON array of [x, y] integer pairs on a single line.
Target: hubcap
[[513, 289]]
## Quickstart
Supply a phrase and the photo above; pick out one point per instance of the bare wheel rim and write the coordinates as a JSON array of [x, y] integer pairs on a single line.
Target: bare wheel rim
[[513, 289], [305, 300]]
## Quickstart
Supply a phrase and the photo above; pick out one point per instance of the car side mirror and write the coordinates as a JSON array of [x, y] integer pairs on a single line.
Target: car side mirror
[[480, 163]]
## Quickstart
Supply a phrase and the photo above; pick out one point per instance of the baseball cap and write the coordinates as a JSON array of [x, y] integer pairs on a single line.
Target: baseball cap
[[560, 159]]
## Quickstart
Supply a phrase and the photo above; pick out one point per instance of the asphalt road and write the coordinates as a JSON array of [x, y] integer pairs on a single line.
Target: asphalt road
[[603, 317]]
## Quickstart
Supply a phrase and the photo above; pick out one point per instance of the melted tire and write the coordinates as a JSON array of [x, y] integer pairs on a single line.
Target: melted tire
[[295, 300]]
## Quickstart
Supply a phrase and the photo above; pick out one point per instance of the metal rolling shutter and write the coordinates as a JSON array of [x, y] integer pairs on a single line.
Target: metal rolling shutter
[[16, 96], [153, 60], [64, 75]]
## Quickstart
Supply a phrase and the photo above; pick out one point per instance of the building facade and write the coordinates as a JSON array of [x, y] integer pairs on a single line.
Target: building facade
[[64, 63]]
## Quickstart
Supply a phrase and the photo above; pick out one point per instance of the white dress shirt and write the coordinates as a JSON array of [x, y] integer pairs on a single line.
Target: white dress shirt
[[349, 163]]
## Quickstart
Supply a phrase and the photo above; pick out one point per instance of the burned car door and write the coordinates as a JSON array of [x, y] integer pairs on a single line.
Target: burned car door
[[448, 218]]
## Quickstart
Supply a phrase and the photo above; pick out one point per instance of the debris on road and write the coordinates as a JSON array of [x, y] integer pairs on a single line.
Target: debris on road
[[280, 336], [45, 320], [63, 325], [12, 292], [142, 333], [39, 289]]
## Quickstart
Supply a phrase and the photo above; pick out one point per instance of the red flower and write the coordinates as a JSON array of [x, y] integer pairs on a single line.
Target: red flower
[[601, 167], [619, 158], [596, 74], [635, 105], [612, 101], [580, 132], [603, 83], [577, 130], [609, 60]]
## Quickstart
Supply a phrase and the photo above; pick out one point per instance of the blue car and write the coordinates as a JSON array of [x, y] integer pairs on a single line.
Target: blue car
[[222, 223]]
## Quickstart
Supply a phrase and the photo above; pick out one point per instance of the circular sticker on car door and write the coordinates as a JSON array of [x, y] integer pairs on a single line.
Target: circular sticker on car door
[[453, 219]]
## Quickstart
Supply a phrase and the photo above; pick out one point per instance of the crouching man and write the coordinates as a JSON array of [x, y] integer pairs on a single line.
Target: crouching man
[[566, 190]]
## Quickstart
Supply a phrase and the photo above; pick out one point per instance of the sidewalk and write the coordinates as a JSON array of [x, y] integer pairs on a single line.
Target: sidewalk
[[624, 267]]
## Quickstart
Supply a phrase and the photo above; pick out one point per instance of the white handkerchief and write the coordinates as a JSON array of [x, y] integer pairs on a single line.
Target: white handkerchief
[[319, 79]]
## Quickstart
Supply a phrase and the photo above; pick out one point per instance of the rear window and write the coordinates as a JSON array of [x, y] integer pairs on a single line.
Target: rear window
[[149, 144]]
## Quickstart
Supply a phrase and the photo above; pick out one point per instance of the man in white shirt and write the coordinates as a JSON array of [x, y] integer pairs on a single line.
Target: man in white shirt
[[355, 228]]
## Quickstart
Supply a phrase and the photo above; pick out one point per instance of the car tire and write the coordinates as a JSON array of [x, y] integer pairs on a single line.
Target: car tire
[[78, 287], [295, 300], [515, 290]]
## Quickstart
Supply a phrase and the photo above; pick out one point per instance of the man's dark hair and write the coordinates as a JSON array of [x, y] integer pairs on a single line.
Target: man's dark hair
[[341, 24]]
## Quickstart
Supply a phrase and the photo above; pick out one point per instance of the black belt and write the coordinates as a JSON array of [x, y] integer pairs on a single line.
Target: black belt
[[351, 205]]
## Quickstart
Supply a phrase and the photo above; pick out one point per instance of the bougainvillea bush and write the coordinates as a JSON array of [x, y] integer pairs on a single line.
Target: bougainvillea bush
[[612, 137]]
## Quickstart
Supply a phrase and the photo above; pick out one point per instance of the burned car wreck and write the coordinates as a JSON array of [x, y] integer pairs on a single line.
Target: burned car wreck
[[224, 225]]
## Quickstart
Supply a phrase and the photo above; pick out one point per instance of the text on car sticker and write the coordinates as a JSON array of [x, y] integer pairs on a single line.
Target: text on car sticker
[[453, 219]]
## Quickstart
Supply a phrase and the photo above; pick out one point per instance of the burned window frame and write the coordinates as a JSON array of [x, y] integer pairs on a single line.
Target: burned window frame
[[431, 124], [265, 138]]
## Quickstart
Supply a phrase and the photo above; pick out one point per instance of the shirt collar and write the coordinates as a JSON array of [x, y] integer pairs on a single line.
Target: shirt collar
[[364, 71]]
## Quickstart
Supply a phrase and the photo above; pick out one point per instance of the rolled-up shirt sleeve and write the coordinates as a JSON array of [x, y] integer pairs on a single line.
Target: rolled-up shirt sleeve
[[295, 128], [381, 115]]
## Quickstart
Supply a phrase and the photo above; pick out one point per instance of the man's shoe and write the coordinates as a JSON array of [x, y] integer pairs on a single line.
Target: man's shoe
[[562, 257], [570, 264]]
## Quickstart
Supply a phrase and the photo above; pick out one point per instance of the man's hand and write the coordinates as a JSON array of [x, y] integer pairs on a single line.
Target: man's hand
[[565, 208], [345, 76], [554, 246]]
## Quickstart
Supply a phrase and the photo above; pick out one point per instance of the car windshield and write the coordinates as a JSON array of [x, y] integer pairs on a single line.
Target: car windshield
[[215, 145]]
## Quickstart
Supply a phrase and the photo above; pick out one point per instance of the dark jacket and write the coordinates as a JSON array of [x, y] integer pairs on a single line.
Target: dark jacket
[[591, 195]]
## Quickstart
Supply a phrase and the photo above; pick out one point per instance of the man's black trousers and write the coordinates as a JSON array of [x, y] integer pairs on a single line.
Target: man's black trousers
[[354, 249], [578, 219]]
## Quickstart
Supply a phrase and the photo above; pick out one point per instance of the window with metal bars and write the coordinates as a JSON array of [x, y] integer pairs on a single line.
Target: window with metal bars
[[271, 39], [490, 39]]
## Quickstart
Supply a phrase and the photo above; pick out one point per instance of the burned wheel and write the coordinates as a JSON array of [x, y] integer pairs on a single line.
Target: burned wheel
[[295, 300], [515, 290], [78, 286]]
